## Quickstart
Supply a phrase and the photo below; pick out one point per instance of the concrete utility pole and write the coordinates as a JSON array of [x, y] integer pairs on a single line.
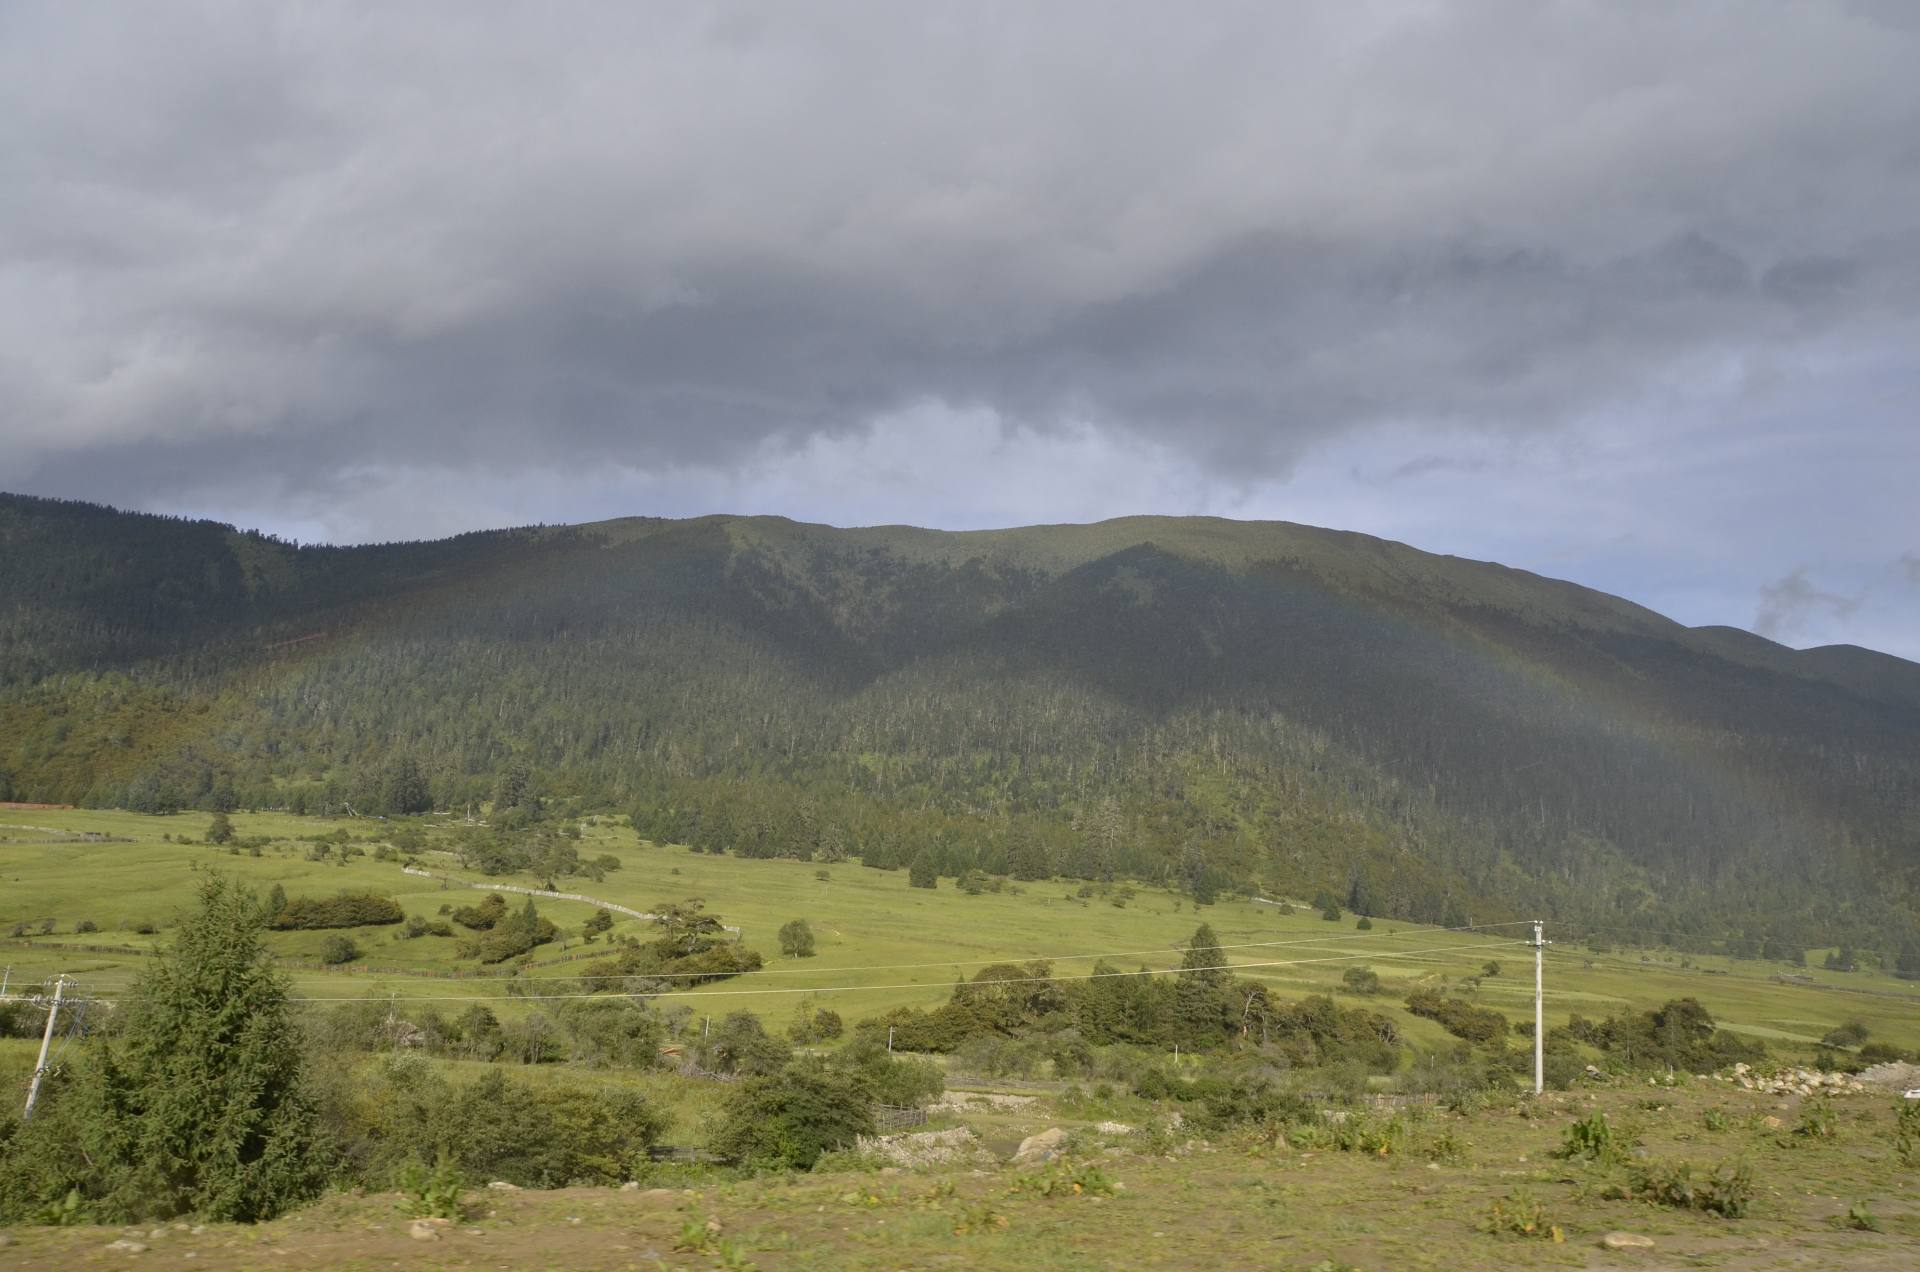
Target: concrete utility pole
[[1539, 1012], [46, 1040]]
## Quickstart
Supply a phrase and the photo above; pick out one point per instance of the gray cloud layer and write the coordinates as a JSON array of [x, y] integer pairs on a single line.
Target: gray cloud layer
[[297, 246]]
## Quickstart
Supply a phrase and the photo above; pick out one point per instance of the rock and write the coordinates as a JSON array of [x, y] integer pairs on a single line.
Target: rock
[[1772, 1123], [6, 1239], [1114, 1128], [713, 1228], [501, 1185], [125, 1246], [421, 1230], [1042, 1147], [1626, 1241], [632, 1185]]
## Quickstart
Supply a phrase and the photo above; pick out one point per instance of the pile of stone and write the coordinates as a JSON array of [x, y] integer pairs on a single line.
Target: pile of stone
[[956, 1147], [1794, 1082]]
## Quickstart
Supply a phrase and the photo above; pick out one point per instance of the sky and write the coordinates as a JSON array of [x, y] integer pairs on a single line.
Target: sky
[[1622, 292]]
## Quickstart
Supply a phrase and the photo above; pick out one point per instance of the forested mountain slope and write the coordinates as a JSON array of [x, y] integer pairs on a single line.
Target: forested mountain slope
[[1230, 704]]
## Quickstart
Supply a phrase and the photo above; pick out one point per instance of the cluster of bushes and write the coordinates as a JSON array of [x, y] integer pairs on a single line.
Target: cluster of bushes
[[345, 910], [537, 1136], [1458, 1016], [693, 948], [1681, 1033], [813, 1105], [506, 937], [1201, 1008]]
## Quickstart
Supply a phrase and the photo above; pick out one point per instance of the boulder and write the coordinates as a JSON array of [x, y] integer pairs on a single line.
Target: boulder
[[1626, 1241], [1042, 1147]]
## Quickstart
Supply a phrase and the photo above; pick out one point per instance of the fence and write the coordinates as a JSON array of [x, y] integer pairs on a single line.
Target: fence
[[892, 1117]]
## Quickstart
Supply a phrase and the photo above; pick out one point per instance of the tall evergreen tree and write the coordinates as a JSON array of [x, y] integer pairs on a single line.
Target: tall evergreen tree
[[199, 1106]]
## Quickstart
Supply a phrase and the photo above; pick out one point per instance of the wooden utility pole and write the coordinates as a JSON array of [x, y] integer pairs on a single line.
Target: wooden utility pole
[[46, 1040]]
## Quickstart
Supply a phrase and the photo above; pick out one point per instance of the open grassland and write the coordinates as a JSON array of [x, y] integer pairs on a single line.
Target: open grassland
[[881, 943], [1428, 1201]]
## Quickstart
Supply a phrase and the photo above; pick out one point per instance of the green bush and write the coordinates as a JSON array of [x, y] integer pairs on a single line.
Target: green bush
[[788, 1120], [347, 910], [339, 949], [1457, 1016]]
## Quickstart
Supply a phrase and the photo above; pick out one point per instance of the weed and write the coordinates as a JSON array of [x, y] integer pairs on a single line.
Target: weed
[[1445, 1146], [1063, 1180], [1594, 1139], [1714, 1120], [1906, 1133], [1727, 1192], [978, 1218], [1817, 1122], [1859, 1218], [65, 1213], [1520, 1214], [430, 1192]]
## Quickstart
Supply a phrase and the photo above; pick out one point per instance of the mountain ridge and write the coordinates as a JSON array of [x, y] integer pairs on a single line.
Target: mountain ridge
[[1463, 729]]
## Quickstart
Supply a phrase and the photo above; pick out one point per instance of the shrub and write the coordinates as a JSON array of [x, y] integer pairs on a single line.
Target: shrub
[[790, 1119], [86, 925], [1851, 1034], [1361, 980], [923, 873], [482, 916], [347, 910], [1457, 1016], [339, 949], [741, 1044]]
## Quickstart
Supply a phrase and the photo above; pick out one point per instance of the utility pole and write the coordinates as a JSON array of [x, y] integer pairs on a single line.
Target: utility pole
[[4, 978], [46, 1040], [889, 1039], [1539, 1012]]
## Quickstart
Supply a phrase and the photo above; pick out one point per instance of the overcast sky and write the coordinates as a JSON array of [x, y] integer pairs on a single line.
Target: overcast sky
[[1627, 293]]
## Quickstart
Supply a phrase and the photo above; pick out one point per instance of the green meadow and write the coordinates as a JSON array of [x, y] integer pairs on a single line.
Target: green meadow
[[880, 943]]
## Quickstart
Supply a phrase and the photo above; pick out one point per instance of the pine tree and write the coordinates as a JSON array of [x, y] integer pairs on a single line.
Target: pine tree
[[199, 1107], [923, 873]]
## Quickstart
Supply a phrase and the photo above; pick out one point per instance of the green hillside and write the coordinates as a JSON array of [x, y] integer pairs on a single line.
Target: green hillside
[[1205, 704]]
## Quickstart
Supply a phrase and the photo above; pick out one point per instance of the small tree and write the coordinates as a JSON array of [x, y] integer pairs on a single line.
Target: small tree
[[220, 829], [602, 921], [796, 939], [339, 949], [923, 873], [1361, 980], [1491, 969], [1364, 925]]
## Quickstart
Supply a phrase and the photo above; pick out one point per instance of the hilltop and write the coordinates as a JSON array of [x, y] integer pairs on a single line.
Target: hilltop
[[1213, 704]]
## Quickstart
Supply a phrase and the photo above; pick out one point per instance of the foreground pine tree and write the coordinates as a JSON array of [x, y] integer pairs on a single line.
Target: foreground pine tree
[[195, 1107]]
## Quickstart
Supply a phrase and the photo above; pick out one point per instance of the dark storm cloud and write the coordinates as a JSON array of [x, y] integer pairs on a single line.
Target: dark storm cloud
[[299, 244]]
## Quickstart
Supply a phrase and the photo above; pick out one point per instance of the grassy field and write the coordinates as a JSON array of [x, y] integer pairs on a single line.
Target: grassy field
[[880, 943], [1428, 1202]]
